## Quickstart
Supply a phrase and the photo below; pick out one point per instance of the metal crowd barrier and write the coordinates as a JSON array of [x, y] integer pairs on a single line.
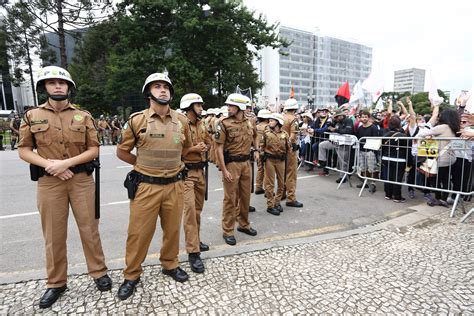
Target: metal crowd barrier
[[441, 165], [338, 151]]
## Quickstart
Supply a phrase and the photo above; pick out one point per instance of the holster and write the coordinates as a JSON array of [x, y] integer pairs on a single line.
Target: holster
[[36, 172], [131, 184]]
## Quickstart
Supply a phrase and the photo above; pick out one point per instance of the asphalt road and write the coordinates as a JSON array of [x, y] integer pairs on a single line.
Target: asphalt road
[[326, 209]]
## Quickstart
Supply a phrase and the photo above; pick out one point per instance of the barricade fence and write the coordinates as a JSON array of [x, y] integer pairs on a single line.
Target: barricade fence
[[439, 166]]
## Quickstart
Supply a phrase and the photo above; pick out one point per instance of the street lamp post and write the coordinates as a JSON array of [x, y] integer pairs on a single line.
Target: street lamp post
[[311, 101]]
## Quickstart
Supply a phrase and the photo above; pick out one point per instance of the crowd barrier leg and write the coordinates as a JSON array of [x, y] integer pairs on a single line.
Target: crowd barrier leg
[[363, 187], [456, 201], [467, 215]]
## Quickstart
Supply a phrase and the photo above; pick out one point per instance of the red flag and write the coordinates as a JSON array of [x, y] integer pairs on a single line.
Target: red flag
[[292, 92], [343, 94]]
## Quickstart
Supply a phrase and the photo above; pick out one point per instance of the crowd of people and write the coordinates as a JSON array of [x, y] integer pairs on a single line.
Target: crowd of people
[[400, 134], [170, 152]]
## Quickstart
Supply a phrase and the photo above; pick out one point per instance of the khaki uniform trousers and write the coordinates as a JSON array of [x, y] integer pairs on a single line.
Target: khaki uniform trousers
[[53, 197], [194, 190], [291, 173], [236, 197], [150, 201], [260, 175], [274, 167]]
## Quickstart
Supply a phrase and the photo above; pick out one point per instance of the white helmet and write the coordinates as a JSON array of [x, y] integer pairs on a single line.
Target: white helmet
[[158, 76], [224, 110], [291, 104], [239, 100], [278, 117], [53, 72], [188, 99], [179, 111], [264, 113], [203, 113]]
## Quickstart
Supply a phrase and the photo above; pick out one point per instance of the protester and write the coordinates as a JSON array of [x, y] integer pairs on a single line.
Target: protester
[[394, 159], [448, 125]]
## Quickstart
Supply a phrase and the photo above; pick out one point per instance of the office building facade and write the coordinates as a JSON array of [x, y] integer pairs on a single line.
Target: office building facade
[[409, 80], [314, 65]]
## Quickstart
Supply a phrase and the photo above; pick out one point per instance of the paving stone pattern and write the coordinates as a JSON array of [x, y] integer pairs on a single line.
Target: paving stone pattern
[[427, 268]]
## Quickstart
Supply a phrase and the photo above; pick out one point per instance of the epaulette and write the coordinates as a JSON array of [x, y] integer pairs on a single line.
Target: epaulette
[[135, 114], [25, 116], [82, 110], [129, 121]]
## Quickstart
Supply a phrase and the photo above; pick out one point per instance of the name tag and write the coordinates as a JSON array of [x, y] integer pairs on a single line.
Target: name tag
[[34, 122], [152, 135]]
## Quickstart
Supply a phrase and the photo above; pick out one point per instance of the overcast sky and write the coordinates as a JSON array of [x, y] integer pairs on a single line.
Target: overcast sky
[[432, 35]]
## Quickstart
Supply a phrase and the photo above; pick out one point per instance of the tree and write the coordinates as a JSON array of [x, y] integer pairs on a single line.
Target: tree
[[204, 52], [421, 103], [24, 39], [66, 16]]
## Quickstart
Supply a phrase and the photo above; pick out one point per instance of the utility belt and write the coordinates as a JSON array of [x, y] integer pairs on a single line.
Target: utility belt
[[272, 156], [134, 178], [237, 158], [196, 165], [37, 172]]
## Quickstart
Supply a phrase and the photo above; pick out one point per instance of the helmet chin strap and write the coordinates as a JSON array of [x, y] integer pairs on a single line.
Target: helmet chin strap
[[160, 101], [195, 113], [58, 97]]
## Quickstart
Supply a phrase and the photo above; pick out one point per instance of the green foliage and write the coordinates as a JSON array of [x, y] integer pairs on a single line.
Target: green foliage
[[420, 101], [203, 52]]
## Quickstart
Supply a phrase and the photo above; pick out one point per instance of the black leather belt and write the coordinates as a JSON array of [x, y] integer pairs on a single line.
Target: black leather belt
[[196, 165], [236, 158], [271, 156], [159, 180], [76, 169]]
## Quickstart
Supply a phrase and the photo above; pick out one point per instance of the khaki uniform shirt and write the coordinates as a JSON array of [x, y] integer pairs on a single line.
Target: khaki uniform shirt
[[198, 135], [159, 142], [58, 135], [103, 124], [236, 134], [261, 129], [290, 125], [273, 142]]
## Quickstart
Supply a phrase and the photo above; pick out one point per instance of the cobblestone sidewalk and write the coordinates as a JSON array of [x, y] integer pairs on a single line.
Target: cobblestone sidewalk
[[427, 268]]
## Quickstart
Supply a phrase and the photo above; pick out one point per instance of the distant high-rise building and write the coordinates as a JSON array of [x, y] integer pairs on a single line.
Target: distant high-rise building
[[409, 80], [315, 65]]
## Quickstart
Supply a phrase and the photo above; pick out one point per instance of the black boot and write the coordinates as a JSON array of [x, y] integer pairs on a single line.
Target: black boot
[[127, 288], [104, 283], [50, 296], [203, 247], [196, 263]]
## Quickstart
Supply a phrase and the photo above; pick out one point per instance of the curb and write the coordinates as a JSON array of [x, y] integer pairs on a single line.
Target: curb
[[395, 221]]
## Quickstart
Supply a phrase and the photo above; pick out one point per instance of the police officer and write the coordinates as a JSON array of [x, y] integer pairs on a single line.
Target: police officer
[[15, 127], [66, 140], [116, 127], [104, 130], [234, 136], [195, 184], [274, 146], [292, 128], [161, 136], [262, 116]]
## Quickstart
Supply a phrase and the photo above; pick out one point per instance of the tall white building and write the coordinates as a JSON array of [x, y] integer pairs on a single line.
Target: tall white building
[[409, 80], [315, 65]]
